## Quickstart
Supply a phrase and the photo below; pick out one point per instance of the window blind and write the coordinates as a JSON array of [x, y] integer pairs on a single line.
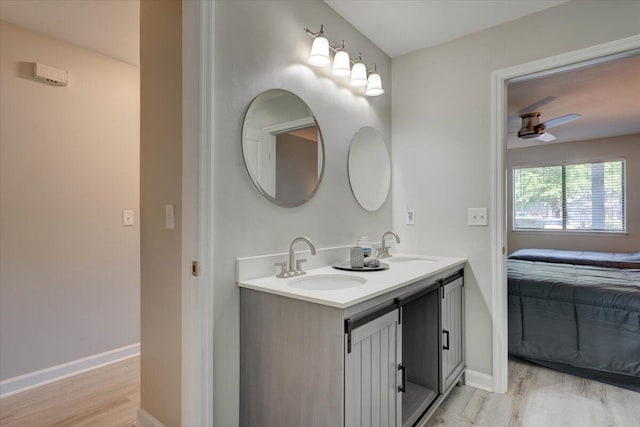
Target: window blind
[[588, 196]]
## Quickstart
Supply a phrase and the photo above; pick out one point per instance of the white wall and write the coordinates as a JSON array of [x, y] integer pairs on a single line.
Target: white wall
[[258, 46], [442, 142], [69, 282], [626, 147]]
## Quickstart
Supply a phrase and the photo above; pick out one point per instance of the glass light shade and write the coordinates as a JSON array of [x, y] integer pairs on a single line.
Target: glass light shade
[[359, 75], [341, 64], [374, 87], [319, 52]]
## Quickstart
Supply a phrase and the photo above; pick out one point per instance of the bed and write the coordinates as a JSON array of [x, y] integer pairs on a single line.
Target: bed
[[578, 312]]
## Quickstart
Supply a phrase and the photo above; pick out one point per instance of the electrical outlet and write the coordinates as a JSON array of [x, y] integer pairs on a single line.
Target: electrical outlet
[[410, 217], [477, 217]]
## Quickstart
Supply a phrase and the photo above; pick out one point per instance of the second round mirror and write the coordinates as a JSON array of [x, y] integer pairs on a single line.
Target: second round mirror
[[369, 169]]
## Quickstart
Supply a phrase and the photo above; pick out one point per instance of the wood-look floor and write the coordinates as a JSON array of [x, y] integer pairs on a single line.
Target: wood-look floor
[[537, 397], [540, 397], [107, 396]]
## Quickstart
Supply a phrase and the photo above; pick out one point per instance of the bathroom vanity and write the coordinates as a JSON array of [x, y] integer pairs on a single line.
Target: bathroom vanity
[[358, 349]]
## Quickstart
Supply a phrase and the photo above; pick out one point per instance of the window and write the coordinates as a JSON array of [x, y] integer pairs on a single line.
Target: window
[[581, 197]]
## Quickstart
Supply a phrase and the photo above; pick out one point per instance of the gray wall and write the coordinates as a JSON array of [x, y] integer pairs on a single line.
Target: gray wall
[[627, 147], [258, 46], [69, 282], [442, 136]]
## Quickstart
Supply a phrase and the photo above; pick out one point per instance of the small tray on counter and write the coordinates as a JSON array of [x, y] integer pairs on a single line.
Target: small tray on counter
[[346, 265]]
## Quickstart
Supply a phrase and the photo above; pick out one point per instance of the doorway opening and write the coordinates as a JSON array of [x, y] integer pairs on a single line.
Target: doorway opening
[[501, 174]]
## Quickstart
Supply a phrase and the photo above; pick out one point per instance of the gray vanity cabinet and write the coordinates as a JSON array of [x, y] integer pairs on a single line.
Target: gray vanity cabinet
[[385, 362], [452, 332], [372, 376]]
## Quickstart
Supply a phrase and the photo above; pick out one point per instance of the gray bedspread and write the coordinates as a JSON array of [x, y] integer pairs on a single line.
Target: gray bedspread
[[582, 316]]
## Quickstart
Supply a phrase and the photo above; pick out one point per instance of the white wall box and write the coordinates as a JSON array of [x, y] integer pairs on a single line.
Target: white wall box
[[388, 361]]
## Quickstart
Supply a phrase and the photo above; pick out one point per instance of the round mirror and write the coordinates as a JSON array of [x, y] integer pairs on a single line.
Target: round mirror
[[369, 169], [282, 148]]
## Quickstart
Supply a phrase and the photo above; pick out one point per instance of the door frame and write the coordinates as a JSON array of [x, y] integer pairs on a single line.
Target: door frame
[[198, 202], [499, 175]]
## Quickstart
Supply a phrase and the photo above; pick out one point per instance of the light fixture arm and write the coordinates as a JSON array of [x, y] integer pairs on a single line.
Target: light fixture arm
[[356, 60], [316, 34], [373, 70], [337, 48]]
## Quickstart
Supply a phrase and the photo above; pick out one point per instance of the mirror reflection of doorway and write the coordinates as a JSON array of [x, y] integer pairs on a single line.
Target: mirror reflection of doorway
[[297, 157]]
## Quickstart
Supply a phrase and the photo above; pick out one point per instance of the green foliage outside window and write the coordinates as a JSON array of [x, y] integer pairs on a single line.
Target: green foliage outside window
[[587, 196]]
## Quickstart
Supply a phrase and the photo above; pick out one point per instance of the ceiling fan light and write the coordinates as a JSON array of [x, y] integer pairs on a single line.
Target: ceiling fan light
[[374, 86], [359, 75], [341, 64], [319, 56]]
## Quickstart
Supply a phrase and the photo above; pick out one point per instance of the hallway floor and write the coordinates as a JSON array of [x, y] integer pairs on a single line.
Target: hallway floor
[[107, 396], [540, 397], [537, 396]]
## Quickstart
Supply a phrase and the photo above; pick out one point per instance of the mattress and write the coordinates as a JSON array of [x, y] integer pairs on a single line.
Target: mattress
[[583, 317]]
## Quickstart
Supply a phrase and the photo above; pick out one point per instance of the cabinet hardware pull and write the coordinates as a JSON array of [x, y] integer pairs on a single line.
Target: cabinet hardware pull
[[403, 385], [446, 346]]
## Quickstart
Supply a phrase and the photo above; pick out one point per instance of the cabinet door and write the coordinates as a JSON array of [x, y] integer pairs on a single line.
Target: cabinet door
[[452, 332], [372, 374]]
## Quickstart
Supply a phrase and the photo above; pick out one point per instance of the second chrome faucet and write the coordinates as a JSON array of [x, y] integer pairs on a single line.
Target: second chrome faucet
[[383, 252], [296, 270]]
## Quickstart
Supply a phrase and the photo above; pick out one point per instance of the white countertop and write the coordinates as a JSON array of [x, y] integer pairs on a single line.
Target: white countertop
[[377, 282]]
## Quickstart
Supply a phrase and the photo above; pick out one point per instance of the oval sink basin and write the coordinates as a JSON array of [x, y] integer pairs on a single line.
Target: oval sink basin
[[327, 282], [410, 260]]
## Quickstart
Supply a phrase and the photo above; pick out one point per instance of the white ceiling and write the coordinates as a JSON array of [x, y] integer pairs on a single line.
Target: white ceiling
[[401, 26], [111, 27], [607, 95]]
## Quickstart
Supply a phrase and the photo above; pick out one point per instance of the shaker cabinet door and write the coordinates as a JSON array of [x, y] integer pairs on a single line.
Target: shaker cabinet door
[[452, 332], [372, 374]]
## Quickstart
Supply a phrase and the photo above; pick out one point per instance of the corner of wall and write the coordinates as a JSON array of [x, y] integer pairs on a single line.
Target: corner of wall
[[145, 419]]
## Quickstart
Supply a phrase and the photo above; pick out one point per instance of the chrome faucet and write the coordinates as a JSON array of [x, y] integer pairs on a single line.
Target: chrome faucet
[[383, 251], [297, 270]]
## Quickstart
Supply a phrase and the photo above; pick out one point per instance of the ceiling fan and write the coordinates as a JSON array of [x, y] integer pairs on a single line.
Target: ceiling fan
[[532, 128]]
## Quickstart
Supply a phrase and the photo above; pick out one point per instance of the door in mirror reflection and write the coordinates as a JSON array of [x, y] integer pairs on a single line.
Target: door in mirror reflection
[[283, 148]]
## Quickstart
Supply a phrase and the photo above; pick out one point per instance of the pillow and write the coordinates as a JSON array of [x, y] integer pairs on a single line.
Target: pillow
[[600, 259]]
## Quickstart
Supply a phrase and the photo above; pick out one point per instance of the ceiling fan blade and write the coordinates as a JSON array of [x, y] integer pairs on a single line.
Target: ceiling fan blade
[[546, 137], [561, 120], [536, 105]]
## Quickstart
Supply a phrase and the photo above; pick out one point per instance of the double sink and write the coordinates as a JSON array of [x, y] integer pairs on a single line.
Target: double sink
[[332, 282]]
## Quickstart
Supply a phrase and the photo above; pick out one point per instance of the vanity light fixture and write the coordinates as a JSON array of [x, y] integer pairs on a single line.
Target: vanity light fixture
[[343, 65], [359, 73], [320, 49], [341, 62], [374, 84]]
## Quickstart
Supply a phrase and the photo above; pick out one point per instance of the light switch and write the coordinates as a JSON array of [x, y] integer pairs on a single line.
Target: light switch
[[477, 217], [410, 218], [127, 218], [170, 217]]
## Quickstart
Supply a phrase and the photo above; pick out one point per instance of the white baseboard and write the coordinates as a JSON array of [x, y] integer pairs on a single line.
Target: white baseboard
[[45, 376], [145, 419], [478, 380]]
